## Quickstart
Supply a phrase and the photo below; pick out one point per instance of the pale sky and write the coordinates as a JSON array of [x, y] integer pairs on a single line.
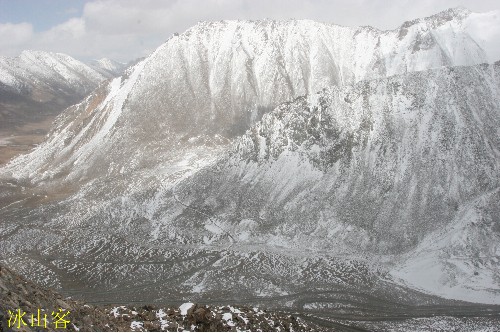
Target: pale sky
[[127, 29]]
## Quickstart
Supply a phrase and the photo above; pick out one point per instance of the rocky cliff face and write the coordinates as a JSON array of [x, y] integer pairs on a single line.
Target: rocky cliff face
[[373, 168]]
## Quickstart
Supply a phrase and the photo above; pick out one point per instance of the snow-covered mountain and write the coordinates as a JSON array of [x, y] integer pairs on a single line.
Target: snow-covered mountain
[[38, 82], [107, 67], [383, 161], [408, 164], [218, 78], [39, 67]]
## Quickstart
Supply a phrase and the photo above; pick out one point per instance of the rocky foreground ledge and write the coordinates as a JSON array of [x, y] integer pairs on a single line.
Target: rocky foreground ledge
[[23, 302]]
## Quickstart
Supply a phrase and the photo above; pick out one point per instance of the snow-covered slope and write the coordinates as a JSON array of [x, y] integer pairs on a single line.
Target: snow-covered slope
[[184, 151], [460, 260], [107, 67], [38, 82], [33, 68], [409, 164]]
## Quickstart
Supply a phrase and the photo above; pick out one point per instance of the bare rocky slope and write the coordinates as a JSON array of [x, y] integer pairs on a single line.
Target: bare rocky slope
[[16, 293]]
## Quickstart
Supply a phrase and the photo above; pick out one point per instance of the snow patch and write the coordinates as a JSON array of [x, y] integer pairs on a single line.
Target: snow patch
[[185, 307]]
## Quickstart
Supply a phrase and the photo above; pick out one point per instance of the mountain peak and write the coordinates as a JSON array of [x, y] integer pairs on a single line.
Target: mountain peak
[[455, 11], [203, 26], [435, 20], [107, 61], [107, 67], [34, 53], [450, 14]]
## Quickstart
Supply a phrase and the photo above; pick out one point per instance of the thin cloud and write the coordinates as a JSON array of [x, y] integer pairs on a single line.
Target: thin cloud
[[15, 37], [127, 29]]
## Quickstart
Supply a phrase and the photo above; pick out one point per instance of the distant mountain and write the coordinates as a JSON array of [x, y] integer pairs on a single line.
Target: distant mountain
[[37, 83], [34, 88], [294, 162], [107, 67]]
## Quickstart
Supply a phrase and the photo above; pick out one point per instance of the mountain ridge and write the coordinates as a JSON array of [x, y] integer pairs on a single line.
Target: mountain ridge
[[265, 71], [34, 87], [108, 67]]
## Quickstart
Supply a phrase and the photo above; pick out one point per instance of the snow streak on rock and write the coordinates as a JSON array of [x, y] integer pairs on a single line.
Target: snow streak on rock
[[409, 164]]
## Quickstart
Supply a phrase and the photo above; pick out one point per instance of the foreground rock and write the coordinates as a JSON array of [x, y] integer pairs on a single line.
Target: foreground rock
[[19, 297]]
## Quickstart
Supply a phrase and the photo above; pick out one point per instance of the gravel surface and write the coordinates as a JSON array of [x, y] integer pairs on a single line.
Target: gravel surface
[[18, 294]]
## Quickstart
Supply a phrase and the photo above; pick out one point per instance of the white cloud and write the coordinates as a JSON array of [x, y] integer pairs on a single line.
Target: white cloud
[[127, 17], [125, 29], [73, 28], [14, 37], [70, 35]]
